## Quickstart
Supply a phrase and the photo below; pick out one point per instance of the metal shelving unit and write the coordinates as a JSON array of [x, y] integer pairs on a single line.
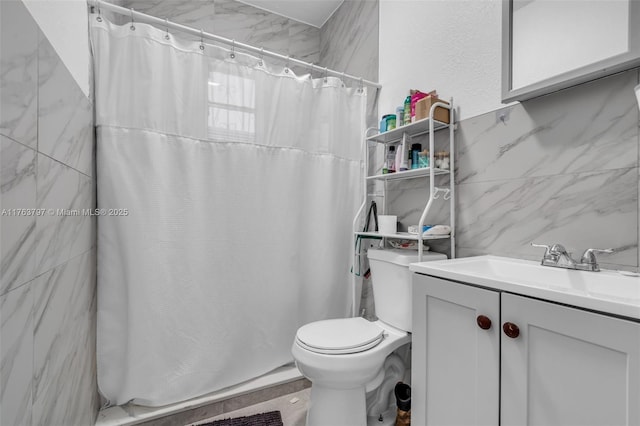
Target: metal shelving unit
[[403, 135]]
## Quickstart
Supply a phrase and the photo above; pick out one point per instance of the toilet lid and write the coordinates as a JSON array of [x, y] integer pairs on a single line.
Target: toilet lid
[[339, 336]]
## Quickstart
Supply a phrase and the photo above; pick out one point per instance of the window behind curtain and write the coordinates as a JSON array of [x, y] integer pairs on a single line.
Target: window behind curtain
[[231, 107]]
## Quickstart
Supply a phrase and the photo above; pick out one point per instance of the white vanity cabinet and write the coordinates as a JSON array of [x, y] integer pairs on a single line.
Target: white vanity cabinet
[[537, 363], [455, 364]]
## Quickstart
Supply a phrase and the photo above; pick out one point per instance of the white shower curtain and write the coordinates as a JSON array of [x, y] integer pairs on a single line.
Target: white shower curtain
[[228, 188]]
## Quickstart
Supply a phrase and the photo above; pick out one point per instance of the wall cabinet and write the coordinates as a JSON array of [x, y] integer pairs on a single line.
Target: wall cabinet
[[486, 357]]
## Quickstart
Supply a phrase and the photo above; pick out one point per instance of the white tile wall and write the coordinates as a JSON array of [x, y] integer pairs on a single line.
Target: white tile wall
[[47, 274]]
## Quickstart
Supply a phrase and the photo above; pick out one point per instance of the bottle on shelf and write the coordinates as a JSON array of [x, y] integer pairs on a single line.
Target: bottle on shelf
[[407, 111], [390, 162], [442, 160], [403, 160], [415, 151], [423, 158], [400, 116]]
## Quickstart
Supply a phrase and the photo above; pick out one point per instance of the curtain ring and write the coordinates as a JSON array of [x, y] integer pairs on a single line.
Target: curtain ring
[[286, 67], [261, 61], [99, 17], [361, 88], [132, 27], [310, 70], [232, 55], [166, 23], [201, 39]]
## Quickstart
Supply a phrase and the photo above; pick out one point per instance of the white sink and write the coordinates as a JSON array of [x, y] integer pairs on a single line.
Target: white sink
[[605, 291]]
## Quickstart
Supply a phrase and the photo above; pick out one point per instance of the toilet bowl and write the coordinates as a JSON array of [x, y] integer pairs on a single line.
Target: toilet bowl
[[343, 357]]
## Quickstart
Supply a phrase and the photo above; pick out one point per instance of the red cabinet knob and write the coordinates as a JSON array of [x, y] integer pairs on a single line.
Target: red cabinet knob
[[511, 330], [484, 322]]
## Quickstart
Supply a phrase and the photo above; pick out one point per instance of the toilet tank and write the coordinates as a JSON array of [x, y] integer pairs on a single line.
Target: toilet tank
[[392, 281]]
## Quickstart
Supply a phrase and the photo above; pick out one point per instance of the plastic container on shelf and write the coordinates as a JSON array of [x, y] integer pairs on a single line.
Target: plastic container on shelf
[[442, 160], [416, 95], [391, 121], [385, 121], [390, 162], [399, 115], [407, 111], [423, 159], [405, 161], [415, 151]]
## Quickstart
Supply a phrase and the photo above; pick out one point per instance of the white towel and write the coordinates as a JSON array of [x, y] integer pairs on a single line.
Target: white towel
[[438, 230], [431, 230]]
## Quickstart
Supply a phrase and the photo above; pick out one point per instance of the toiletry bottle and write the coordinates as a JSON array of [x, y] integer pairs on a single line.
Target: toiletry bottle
[[399, 156], [399, 115], [407, 110], [444, 160], [391, 121], [386, 120], [415, 151], [416, 95], [391, 160], [423, 158], [402, 156]]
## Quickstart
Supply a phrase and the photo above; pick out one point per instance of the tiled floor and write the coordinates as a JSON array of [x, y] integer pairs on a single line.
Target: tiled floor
[[292, 407]]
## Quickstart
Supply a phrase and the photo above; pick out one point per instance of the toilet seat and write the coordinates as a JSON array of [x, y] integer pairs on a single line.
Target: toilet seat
[[339, 336]]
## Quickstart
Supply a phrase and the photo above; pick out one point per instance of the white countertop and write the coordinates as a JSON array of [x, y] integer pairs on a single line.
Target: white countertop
[[605, 291]]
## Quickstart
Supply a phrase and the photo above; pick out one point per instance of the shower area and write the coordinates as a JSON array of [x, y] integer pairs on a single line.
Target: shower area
[[227, 181]]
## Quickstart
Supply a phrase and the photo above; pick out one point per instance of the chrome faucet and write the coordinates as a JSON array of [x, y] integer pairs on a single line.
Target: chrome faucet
[[558, 257]]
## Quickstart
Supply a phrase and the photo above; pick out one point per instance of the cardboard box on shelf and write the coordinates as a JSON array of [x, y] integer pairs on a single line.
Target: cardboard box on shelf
[[424, 105]]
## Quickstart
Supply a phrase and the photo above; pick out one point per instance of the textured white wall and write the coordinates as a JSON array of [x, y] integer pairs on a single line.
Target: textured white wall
[[453, 46], [64, 23]]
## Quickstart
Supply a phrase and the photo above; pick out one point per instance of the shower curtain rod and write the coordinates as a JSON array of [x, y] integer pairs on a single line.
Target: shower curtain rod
[[143, 17]]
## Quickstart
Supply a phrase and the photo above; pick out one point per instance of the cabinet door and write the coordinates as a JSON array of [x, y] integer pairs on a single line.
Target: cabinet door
[[455, 363], [568, 366]]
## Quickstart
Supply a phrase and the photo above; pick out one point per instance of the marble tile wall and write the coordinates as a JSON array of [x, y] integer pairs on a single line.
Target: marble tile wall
[[349, 39], [349, 43], [47, 273], [559, 168]]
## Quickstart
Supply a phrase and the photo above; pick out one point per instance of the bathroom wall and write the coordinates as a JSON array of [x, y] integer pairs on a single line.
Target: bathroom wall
[[64, 23], [47, 273], [451, 46], [349, 39], [240, 22], [349, 43], [559, 168]]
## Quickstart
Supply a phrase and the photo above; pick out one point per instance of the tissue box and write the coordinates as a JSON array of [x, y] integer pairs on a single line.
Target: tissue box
[[424, 105]]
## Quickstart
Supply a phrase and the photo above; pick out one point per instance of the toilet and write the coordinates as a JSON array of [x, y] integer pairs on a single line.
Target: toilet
[[346, 358]]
